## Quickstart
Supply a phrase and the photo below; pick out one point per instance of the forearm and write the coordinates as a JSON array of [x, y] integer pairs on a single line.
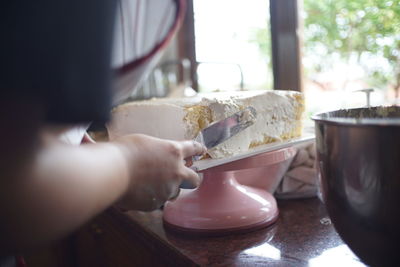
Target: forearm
[[69, 185]]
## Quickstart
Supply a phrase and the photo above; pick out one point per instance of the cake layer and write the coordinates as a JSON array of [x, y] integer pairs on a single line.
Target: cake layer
[[279, 116]]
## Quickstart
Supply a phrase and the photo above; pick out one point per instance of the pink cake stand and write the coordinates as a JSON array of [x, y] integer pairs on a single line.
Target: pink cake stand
[[221, 205]]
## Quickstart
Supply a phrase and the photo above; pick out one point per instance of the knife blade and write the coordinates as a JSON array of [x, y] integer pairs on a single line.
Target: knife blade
[[220, 131]]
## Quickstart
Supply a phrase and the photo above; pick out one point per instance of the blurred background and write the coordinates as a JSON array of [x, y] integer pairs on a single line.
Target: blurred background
[[328, 49]]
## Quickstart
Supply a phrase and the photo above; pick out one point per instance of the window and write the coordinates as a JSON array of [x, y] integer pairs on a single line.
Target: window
[[350, 45], [232, 41], [329, 49]]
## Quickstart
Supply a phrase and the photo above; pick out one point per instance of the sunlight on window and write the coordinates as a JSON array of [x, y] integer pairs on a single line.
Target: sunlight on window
[[228, 36], [220, 76]]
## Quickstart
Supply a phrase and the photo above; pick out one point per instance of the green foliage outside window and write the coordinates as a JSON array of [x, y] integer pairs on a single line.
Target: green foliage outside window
[[356, 29], [363, 31]]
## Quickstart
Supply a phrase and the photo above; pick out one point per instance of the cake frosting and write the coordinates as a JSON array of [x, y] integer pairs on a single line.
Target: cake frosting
[[279, 116]]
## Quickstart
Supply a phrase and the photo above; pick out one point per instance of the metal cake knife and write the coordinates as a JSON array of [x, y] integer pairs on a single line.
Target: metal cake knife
[[220, 131]]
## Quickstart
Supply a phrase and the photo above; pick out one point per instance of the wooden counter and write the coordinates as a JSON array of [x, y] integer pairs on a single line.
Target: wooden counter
[[302, 236]]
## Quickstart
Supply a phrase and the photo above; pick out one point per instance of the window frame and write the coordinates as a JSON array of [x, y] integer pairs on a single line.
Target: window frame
[[286, 49]]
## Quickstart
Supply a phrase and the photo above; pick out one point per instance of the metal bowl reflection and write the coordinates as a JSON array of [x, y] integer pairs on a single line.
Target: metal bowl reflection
[[358, 153]]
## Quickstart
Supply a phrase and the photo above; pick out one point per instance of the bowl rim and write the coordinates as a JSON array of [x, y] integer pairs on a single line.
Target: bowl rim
[[324, 117], [357, 122]]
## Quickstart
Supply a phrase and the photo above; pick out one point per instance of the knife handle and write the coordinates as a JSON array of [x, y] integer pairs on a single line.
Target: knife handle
[[187, 185], [189, 163], [196, 157]]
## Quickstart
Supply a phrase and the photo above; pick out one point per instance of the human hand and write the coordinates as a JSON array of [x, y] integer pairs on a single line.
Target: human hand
[[157, 168]]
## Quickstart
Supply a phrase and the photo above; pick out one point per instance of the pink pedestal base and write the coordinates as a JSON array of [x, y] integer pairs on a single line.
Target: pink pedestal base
[[222, 205]]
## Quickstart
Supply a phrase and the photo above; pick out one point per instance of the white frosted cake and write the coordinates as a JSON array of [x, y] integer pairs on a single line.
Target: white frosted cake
[[279, 116]]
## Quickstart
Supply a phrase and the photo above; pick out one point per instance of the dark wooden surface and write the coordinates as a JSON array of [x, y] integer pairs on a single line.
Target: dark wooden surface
[[302, 236]]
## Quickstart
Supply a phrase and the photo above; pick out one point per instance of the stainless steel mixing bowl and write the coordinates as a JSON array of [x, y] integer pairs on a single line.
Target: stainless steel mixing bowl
[[358, 153]]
